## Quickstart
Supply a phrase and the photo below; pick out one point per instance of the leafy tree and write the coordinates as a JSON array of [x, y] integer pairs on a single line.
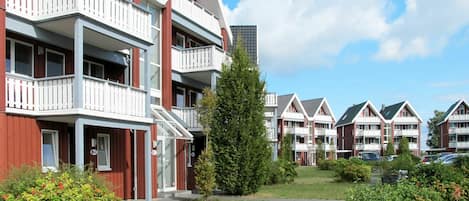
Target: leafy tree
[[320, 151], [238, 136], [389, 149], [205, 167], [333, 151], [285, 149], [404, 146], [434, 132]]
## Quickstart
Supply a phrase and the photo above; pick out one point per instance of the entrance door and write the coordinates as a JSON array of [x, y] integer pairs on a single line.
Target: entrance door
[[166, 149]]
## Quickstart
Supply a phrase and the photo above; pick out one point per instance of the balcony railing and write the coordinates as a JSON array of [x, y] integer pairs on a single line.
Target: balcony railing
[[198, 59], [294, 115], [369, 133], [122, 15], [271, 100], [412, 145], [55, 95], [459, 117], [189, 115], [326, 132], [371, 147], [296, 130], [459, 145], [326, 147], [459, 131], [409, 133], [198, 14], [368, 120], [271, 134]]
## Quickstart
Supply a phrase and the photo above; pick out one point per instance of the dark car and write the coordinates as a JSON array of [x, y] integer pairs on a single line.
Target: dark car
[[369, 156]]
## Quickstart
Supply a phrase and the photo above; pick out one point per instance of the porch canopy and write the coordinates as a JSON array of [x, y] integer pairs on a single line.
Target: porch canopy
[[168, 123]]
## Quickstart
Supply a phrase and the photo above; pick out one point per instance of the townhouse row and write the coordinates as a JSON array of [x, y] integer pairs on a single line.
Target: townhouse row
[[111, 83]]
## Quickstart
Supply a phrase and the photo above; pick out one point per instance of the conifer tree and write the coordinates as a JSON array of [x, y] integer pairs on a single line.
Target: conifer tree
[[404, 146], [389, 149], [238, 135]]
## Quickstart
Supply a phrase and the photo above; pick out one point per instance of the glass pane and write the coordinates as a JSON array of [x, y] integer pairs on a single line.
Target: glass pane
[[48, 156], [23, 59], [102, 149], [8, 57], [55, 64], [159, 150], [155, 76], [97, 71], [155, 16], [169, 165], [86, 68], [180, 99], [155, 49]]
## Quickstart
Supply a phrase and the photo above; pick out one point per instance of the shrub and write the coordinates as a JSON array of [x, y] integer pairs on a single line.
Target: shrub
[[327, 164], [281, 172], [28, 183], [401, 191], [205, 173], [462, 163], [353, 170]]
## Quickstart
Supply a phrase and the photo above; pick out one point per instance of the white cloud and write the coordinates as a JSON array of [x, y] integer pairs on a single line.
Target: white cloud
[[447, 84], [299, 33], [452, 97]]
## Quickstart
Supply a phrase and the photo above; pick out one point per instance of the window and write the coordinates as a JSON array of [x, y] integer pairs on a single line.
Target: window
[[193, 43], [180, 40], [50, 147], [194, 98], [93, 69], [55, 63], [19, 57], [180, 97], [104, 153]]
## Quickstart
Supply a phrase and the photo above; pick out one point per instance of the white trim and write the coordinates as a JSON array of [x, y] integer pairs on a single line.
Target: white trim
[[55, 146], [411, 108], [459, 102], [294, 97], [107, 147], [46, 61], [13, 56], [183, 39], [324, 100]]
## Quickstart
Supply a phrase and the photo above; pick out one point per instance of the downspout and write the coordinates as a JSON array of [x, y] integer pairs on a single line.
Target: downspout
[[134, 134]]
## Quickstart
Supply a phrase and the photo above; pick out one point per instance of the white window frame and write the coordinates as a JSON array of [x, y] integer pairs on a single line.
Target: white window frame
[[55, 144], [58, 53], [13, 57], [107, 142], [184, 96], [190, 41], [183, 39], [89, 68]]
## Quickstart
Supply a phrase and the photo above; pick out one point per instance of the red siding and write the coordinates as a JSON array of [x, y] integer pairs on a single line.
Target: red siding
[[3, 118], [166, 56], [141, 165], [181, 164], [224, 34]]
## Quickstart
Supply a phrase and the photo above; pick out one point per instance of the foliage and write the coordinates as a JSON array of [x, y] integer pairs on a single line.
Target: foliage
[[242, 153], [434, 132], [333, 152], [70, 183], [404, 146], [285, 148], [205, 109], [353, 170], [205, 173], [402, 191], [403, 162], [462, 163], [283, 170], [327, 164], [320, 151], [389, 149]]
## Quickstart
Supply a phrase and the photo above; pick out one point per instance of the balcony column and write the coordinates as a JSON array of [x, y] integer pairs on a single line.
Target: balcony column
[[213, 81], [148, 178], [146, 68], [78, 65], [79, 144]]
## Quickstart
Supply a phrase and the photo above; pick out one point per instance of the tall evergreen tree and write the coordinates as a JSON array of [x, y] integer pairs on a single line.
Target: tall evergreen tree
[[286, 152], [320, 153], [404, 146], [238, 135], [434, 132], [389, 149]]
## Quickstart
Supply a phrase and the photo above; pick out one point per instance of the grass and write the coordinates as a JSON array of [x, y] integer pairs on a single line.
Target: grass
[[311, 183]]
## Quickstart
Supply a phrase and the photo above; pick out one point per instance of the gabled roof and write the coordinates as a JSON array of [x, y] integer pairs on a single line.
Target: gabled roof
[[390, 112], [313, 106], [286, 100], [452, 108], [352, 113]]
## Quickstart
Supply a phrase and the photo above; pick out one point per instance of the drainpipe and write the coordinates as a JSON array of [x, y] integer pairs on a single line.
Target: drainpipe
[[134, 135]]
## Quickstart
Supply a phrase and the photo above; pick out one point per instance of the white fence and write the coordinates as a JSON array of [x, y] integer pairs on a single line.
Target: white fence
[[198, 59], [189, 115], [271, 100], [197, 13], [119, 14], [56, 94]]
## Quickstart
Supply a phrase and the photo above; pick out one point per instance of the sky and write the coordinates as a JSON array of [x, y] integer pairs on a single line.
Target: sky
[[352, 51]]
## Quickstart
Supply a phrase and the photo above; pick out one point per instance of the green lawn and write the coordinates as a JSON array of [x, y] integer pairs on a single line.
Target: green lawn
[[311, 183]]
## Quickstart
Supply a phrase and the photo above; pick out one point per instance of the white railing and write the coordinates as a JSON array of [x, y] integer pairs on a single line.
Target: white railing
[[198, 14], [300, 147], [371, 147], [119, 14], [459, 145], [271, 134], [368, 133], [412, 146], [326, 147], [459, 117], [198, 59], [271, 100], [459, 131], [410, 132], [368, 120], [110, 97], [296, 130], [56, 94], [294, 115], [323, 118], [406, 120], [324, 131], [189, 115]]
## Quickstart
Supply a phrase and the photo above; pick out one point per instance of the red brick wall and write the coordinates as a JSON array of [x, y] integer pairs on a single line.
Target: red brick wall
[[444, 134]]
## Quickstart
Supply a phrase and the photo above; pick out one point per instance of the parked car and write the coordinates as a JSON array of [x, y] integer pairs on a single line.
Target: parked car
[[429, 158], [450, 158], [391, 157], [369, 156]]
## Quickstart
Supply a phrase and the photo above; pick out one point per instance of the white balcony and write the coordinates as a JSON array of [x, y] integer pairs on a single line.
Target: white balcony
[[300, 147], [294, 116], [325, 132], [271, 135], [55, 96], [375, 120], [122, 15], [459, 117], [327, 147], [367, 147], [406, 133], [271, 100], [406, 120], [198, 59], [459, 145], [323, 118], [368, 133], [296, 130], [412, 146], [198, 14], [459, 131], [190, 117]]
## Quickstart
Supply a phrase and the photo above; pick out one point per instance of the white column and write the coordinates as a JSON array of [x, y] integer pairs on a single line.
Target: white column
[[78, 65], [79, 144], [148, 179]]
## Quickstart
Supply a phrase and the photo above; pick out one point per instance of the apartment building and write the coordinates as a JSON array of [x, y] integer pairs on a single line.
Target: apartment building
[[249, 35], [402, 121], [360, 129], [454, 129], [293, 123], [270, 121], [321, 121]]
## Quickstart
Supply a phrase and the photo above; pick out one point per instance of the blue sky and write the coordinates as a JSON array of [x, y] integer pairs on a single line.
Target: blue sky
[[349, 52]]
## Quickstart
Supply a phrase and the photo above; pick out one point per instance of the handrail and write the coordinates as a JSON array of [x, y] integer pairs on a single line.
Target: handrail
[[113, 83], [197, 48]]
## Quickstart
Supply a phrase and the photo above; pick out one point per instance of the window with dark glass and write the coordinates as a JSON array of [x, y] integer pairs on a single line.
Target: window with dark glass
[[55, 63]]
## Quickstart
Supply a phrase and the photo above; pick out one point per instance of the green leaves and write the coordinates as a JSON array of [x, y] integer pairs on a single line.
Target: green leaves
[[434, 141]]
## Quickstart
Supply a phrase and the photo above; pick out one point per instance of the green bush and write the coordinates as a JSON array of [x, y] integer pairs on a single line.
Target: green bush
[[326, 164], [402, 191], [205, 173], [462, 163], [353, 170], [28, 183], [281, 172]]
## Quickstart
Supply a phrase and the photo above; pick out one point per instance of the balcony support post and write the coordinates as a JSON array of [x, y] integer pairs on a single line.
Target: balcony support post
[[213, 81], [79, 144], [146, 71], [148, 158], [78, 64]]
